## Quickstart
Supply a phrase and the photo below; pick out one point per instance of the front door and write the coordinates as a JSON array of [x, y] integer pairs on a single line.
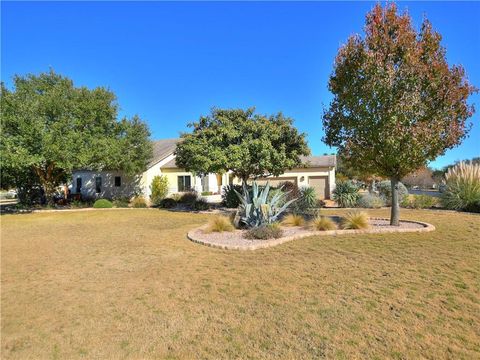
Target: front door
[[79, 185]]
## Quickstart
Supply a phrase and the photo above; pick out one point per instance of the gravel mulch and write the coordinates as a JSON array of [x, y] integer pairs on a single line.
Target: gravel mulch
[[235, 240]]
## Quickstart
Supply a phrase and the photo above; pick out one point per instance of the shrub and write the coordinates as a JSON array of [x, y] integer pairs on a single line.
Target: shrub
[[346, 194], [265, 232], [102, 204], [419, 202], [80, 204], [201, 205], [323, 223], [462, 190], [207, 193], [139, 202], [370, 201], [159, 189], [293, 220], [167, 203], [306, 201], [291, 189], [355, 220], [121, 203], [220, 224], [229, 197], [188, 198], [176, 197], [385, 190]]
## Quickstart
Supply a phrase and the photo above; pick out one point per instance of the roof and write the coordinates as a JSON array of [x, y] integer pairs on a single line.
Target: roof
[[162, 149], [309, 161]]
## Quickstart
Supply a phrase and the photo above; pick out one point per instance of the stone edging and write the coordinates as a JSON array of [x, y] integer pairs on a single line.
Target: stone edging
[[191, 235]]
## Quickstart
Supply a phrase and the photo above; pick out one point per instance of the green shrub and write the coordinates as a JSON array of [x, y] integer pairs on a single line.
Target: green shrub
[[355, 220], [346, 194], [220, 224], [323, 223], [159, 189], [188, 198], [201, 205], [229, 197], [462, 190], [265, 232], [385, 191], [139, 202], [370, 201], [206, 193], [167, 203], [121, 203], [307, 200], [420, 202], [77, 204], [102, 204], [293, 220]]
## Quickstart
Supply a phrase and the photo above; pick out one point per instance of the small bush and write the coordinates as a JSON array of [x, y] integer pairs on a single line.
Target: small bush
[[462, 190], [176, 197], [419, 202], [323, 223], [188, 198], [121, 203], [167, 203], [370, 201], [265, 232], [307, 200], [385, 190], [346, 194], [201, 205], [229, 197], [139, 202], [77, 204], [293, 220], [159, 189], [207, 193], [355, 220], [220, 224], [102, 204]]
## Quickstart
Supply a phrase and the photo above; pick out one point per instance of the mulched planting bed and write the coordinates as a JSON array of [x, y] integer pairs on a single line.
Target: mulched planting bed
[[236, 240]]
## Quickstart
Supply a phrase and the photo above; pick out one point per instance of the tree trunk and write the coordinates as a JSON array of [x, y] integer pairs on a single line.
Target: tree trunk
[[47, 180], [395, 212]]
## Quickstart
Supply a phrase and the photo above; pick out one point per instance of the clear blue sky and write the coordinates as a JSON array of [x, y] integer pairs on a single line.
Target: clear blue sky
[[171, 62]]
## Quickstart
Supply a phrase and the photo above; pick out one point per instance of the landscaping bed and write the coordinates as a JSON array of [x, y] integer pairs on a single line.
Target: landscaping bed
[[236, 240]]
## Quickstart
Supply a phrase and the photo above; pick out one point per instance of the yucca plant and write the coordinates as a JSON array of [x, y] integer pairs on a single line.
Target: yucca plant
[[323, 223], [257, 210], [293, 220], [462, 191], [220, 224], [346, 194], [355, 220]]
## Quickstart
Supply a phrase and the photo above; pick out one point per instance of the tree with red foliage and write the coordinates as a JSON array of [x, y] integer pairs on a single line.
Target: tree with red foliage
[[397, 104]]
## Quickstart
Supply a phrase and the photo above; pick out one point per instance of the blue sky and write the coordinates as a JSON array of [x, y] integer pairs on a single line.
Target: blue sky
[[171, 62]]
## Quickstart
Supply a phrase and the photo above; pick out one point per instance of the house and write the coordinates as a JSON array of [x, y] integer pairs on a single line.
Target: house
[[317, 171]]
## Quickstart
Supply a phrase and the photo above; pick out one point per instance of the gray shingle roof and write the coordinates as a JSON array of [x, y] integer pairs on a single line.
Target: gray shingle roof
[[162, 148]]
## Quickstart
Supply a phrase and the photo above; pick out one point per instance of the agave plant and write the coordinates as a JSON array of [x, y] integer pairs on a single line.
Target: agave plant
[[257, 210]]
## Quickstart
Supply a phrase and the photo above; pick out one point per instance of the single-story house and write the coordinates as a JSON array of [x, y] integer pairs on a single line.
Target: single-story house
[[317, 171]]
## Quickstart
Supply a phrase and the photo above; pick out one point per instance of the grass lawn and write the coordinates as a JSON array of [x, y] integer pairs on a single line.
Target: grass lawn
[[128, 284]]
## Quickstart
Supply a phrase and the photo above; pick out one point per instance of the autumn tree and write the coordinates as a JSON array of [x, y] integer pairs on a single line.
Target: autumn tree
[[50, 127], [237, 140], [397, 104]]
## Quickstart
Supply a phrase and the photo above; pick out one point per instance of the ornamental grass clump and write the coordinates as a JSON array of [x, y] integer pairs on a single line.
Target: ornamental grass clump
[[265, 232], [293, 220], [323, 223], [462, 191], [220, 224], [355, 220]]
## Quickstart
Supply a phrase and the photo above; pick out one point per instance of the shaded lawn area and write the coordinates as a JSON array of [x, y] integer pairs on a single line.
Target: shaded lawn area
[[128, 284]]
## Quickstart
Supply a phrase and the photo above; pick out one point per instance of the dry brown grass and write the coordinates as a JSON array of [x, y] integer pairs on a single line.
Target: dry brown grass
[[128, 284], [220, 224]]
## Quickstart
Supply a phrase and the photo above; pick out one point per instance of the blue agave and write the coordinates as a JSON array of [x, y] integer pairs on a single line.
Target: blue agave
[[257, 210]]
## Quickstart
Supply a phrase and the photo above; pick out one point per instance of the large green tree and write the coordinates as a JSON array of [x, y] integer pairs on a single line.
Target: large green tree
[[50, 127], [397, 104], [237, 140]]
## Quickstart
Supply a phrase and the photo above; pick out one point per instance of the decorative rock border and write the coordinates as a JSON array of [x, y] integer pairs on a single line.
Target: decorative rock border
[[261, 244]]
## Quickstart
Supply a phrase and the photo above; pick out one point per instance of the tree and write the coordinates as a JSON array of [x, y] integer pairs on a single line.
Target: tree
[[248, 144], [397, 104], [50, 127]]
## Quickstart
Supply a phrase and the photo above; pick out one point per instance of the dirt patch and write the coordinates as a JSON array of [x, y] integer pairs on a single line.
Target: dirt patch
[[235, 240]]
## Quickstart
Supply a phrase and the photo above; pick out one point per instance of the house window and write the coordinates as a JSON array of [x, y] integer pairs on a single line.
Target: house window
[[98, 184], [118, 181], [79, 185], [184, 183]]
